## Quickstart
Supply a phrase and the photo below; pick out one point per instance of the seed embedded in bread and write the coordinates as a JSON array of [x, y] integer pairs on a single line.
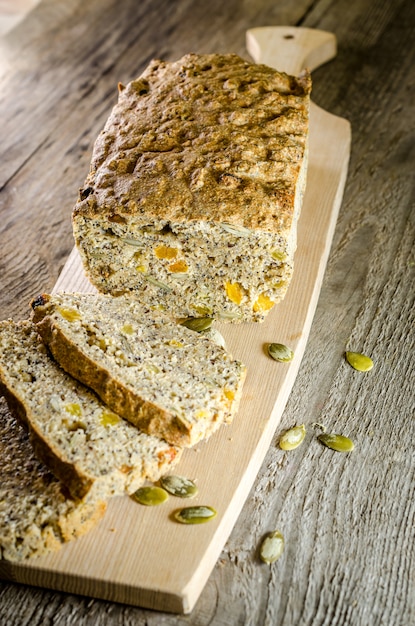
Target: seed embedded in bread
[[156, 373], [196, 186], [90, 448], [37, 514]]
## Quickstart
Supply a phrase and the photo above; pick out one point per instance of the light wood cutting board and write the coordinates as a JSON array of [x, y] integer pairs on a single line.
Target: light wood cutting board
[[138, 555]]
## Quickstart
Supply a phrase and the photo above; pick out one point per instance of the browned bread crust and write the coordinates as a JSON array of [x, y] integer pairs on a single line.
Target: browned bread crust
[[37, 514], [207, 137], [89, 448], [195, 188], [168, 380]]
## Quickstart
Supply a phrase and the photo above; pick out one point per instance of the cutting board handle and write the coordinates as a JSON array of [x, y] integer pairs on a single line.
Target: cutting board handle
[[290, 49]]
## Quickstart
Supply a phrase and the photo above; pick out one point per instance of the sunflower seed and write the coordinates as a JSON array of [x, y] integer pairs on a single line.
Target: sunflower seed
[[235, 229], [178, 276], [157, 283]]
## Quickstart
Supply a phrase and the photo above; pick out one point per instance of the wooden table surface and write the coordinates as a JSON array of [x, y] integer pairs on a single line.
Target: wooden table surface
[[348, 520]]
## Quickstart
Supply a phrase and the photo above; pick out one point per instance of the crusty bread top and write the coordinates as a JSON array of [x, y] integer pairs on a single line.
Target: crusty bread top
[[208, 135]]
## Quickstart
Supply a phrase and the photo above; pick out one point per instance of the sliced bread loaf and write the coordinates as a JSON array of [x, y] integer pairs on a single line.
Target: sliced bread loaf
[[37, 514], [196, 186], [164, 378], [87, 446]]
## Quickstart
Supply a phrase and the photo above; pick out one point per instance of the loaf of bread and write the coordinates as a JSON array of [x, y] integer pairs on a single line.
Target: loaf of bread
[[164, 378], [37, 514], [195, 188], [86, 445]]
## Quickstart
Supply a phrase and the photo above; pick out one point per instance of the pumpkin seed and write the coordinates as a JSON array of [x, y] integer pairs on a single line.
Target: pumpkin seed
[[272, 547], [229, 315], [340, 443], [215, 336], [280, 352], [179, 486], [235, 229], [359, 362], [195, 514], [132, 242], [197, 324], [150, 496], [292, 438], [202, 309], [278, 255], [157, 283], [178, 276]]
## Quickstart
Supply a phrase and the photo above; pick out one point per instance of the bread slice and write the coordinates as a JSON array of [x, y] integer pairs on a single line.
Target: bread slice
[[87, 446], [161, 376], [195, 188], [37, 514]]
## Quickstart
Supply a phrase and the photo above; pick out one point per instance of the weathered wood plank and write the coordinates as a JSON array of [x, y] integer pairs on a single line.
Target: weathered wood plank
[[348, 522], [230, 461]]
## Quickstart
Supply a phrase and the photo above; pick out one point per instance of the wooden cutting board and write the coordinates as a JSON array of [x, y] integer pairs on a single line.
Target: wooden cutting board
[[139, 555]]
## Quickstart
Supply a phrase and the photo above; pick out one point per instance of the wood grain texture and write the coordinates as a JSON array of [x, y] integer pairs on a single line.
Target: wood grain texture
[[175, 561], [348, 522]]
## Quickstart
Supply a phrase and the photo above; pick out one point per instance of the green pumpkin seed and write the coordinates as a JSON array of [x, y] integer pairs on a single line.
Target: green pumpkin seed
[[340, 443], [292, 438], [198, 324], [359, 362], [179, 486], [150, 496], [195, 514], [280, 352], [278, 255], [272, 547]]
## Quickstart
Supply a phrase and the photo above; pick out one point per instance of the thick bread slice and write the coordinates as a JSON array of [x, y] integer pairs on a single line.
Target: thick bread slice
[[164, 378], [37, 514], [195, 188], [87, 446]]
